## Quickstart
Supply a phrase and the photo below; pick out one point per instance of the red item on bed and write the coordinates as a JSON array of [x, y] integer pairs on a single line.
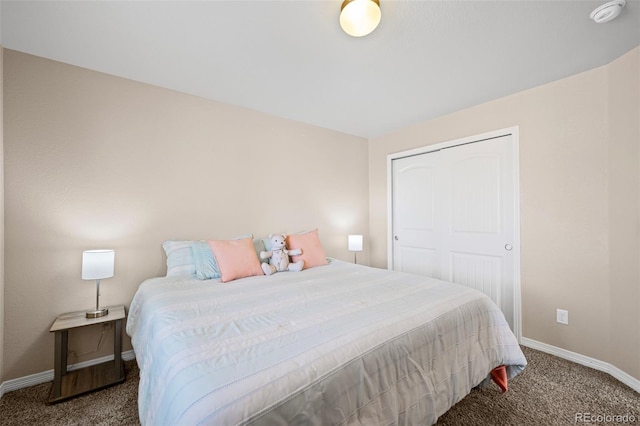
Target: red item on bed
[[499, 376]]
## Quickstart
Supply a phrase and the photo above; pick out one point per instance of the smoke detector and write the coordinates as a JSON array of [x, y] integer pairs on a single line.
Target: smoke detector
[[607, 11]]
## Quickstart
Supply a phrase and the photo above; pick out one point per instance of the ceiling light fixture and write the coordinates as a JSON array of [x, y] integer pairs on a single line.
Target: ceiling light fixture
[[360, 17], [607, 11]]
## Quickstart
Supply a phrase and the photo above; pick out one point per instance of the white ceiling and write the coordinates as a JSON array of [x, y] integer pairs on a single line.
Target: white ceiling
[[291, 59]]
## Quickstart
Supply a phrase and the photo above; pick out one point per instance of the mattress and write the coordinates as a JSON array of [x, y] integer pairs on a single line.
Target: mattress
[[340, 344]]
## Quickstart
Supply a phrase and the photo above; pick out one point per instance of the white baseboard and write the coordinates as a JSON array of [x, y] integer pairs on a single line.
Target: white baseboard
[[47, 376], [612, 370]]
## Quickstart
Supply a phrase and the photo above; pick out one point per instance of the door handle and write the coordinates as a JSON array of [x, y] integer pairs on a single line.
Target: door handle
[[508, 247], [396, 237]]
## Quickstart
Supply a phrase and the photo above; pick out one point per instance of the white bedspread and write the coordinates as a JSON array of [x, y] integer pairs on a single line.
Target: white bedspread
[[335, 344]]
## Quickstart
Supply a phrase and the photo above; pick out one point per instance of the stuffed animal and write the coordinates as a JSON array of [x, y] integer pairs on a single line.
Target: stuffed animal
[[279, 256]]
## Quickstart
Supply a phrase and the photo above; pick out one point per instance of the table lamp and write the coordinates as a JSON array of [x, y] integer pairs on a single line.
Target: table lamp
[[96, 265], [355, 245]]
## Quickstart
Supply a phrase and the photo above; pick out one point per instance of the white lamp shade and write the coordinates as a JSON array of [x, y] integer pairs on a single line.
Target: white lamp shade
[[97, 264], [359, 17], [355, 242]]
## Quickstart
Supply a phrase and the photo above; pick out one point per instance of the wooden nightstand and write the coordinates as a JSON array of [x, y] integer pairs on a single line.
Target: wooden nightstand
[[68, 384]]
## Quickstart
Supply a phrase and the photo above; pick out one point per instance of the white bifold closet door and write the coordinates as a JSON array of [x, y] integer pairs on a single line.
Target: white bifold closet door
[[453, 217]]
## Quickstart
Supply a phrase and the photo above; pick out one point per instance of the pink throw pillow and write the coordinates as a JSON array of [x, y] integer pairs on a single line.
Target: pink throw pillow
[[236, 258], [312, 252]]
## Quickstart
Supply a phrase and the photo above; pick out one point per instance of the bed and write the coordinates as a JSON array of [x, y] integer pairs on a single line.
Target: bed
[[339, 344]]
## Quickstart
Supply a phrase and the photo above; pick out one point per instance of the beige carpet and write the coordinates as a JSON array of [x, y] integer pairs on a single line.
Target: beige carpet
[[550, 391]]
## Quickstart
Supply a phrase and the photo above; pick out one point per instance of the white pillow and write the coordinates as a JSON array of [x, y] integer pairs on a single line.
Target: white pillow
[[179, 258]]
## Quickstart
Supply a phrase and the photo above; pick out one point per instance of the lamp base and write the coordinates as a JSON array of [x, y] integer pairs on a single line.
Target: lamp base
[[97, 313]]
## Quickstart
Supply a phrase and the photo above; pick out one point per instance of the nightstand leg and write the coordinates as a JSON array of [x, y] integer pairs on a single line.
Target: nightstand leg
[[60, 361], [117, 347]]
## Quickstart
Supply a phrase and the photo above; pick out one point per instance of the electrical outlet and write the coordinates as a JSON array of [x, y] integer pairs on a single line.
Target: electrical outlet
[[562, 316]]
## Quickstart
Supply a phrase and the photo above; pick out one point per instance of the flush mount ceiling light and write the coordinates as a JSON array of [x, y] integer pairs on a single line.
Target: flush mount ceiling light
[[607, 11], [359, 17]]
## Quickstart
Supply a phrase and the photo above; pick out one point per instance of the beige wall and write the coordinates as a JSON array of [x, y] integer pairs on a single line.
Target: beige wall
[[624, 210], [575, 151], [97, 161]]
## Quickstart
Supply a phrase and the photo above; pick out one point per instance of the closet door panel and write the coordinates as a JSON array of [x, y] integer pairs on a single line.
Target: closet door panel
[[415, 193], [453, 217]]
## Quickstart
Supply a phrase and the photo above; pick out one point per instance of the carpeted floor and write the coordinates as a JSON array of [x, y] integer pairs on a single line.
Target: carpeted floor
[[551, 391]]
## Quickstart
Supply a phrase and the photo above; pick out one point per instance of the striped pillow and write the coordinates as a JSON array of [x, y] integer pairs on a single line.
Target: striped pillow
[[179, 258]]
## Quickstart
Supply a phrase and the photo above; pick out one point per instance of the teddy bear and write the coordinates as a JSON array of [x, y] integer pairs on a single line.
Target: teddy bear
[[279, 256]]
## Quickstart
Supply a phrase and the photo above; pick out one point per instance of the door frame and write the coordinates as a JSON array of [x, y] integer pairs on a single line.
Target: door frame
[[514, 132]]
